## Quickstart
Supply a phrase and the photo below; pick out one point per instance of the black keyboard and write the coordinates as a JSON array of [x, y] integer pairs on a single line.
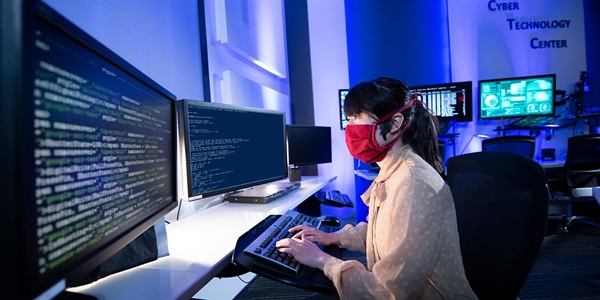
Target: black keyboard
[[335, 197], [263, 249]]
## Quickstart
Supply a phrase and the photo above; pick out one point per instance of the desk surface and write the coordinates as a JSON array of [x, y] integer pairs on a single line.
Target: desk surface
[[547, 164], [200, 246]]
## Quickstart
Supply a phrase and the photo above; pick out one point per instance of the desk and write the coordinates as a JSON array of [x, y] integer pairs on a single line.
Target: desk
[[548, 164], [200, 246]]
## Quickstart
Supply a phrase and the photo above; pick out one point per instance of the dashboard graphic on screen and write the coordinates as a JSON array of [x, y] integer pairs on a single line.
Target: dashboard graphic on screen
[[516, 97], [448, 101]]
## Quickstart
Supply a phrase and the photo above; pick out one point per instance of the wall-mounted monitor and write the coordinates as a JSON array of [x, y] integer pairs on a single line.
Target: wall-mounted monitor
[[341, 97], [88, 164], [225, 148], [308, 145], [517, 97], [448, 101]]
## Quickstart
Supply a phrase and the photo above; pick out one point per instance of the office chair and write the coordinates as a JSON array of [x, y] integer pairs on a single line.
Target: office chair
[[582, 172], [520, 144], [501, 204]]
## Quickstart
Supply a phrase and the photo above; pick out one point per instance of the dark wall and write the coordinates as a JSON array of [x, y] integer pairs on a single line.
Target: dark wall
[[407, 40], [299, 68]]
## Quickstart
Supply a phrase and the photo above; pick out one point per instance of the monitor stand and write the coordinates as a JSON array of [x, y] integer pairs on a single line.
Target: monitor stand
[[295, 174], [444, 125], [67, 295]]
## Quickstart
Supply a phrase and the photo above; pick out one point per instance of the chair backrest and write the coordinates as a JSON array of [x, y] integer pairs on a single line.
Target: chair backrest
[[582, 166], [520, 144], [501, 204]]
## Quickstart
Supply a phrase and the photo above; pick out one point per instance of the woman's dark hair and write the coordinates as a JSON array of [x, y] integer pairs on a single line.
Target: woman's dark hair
[[381, 96]]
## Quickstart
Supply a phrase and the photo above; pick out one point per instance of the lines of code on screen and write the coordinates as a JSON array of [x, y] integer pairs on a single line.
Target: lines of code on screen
[[231, 147], [102, 146]]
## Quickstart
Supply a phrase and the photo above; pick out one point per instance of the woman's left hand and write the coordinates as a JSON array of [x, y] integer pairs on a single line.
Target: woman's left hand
[[304, 251]]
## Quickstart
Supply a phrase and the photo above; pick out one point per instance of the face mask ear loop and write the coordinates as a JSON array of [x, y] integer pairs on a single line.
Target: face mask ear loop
[[416, 99], [401, 109]]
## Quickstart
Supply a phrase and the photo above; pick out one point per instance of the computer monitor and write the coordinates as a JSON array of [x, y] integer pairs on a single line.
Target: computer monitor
[[308, 145], [226, 147], [88, 151], [341, 97], [448, 101], [517, 97]]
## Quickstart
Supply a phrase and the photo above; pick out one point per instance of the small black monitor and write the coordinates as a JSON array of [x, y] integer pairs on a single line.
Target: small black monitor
[[227, 147], [517, 97], [88, 162], [341, 97], [308, 145], [448, 101]]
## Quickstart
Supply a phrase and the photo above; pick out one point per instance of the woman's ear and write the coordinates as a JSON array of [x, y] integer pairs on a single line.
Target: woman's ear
[[397, 120]]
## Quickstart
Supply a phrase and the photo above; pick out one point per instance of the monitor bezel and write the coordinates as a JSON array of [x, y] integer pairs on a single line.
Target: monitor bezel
[[185, 152], [514, 78], [467, 85]]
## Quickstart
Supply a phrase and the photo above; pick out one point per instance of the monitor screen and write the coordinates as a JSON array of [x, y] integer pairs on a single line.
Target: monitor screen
[[517, 97], [448, 101], [341, 97], [92, 160], [228, 147], [308, 145]]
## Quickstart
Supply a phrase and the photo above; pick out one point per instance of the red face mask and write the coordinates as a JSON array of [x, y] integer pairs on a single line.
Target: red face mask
[[361, 140]]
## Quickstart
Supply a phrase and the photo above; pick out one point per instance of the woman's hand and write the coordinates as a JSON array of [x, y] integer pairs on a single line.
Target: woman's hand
[[304, 251], [315, 235]]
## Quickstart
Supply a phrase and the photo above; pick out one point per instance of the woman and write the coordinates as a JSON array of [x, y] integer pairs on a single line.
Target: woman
[[411, 237]]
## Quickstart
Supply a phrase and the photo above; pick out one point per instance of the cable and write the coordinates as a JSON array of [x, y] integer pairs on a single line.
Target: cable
[[242, 280], [179, 208]]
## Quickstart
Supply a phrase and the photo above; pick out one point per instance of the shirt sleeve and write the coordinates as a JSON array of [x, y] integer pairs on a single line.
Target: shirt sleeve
[[353, 237]]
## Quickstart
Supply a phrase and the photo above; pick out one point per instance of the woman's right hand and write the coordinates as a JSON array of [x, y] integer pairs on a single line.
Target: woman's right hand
[[315, 235]]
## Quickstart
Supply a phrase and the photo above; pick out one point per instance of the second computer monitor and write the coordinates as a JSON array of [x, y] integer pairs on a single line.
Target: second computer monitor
[[228, 147]]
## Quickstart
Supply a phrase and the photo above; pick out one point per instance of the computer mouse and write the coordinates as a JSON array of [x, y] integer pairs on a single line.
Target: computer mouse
[[330, 221]]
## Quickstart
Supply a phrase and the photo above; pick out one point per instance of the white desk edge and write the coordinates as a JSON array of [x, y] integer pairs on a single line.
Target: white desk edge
[[200, 246]]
